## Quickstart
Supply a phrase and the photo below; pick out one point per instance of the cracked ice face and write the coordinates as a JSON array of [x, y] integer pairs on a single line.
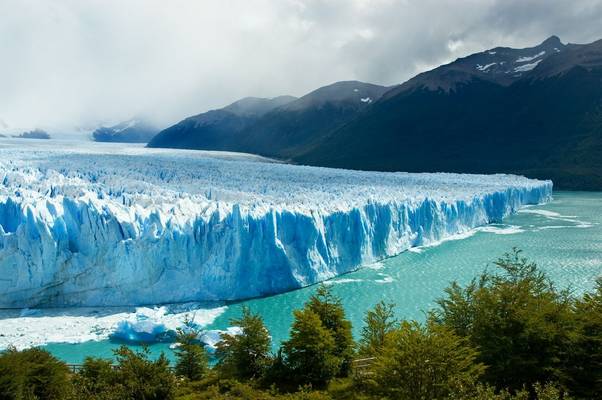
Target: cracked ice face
[[117, 225]]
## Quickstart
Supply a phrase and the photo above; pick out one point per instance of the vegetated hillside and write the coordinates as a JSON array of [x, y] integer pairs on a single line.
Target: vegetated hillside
[[545, 121]]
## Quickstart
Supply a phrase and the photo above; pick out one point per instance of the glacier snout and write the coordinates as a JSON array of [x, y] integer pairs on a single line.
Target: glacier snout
[[100, 229]]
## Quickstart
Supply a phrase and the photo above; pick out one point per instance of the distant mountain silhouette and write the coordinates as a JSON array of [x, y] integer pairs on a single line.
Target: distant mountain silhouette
[[218, 129], [35, 134], [276, 127], [132, 131]]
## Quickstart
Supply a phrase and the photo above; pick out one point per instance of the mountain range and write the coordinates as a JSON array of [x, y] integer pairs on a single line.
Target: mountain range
[[535, 111], [280, 127]]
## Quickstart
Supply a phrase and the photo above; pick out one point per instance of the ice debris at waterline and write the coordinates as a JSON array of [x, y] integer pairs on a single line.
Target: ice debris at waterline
[[153, 325], [88, 227], [36, 327]]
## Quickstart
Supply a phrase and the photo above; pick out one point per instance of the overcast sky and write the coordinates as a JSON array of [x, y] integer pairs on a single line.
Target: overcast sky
[[74, 64]]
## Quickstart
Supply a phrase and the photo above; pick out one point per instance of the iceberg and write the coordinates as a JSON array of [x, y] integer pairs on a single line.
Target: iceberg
[[147, 326], [127, 226], [210, 338]]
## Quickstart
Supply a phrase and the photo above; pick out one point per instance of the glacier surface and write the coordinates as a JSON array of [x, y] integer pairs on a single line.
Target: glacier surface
[[114, 225]]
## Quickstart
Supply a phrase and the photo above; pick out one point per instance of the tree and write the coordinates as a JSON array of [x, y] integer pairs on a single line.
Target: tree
[[33, 374], [191, 357], [245, 355], [329, 309], [98, 379], [309, 354], [142, 378], [585, 359], [424, 362], [378, 322], [520, 323]]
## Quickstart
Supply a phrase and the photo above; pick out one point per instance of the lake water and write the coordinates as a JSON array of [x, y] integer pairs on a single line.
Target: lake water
[[564, 238]]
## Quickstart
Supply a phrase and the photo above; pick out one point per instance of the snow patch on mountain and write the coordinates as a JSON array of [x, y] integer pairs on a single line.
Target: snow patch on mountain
[[527, 67], [530, 58], [484, 68]]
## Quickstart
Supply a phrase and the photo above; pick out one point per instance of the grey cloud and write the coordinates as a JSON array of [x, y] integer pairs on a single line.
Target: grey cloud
[[73, 63]]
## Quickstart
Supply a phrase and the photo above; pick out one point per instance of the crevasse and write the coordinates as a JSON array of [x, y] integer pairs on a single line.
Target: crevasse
[[84, 228]]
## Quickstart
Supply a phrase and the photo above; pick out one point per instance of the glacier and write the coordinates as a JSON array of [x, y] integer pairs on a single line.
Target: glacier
[[114, 225]]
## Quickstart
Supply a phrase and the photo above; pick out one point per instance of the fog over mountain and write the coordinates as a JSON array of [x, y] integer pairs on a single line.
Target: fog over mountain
[[71, 66]]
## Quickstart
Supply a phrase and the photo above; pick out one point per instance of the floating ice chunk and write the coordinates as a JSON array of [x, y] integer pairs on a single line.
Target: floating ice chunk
[[211, 338], [147, 326]]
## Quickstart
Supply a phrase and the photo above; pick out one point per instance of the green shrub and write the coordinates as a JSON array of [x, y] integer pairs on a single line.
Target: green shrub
[[142, 378], [585, 357], [33, 374], [329, 309], [310, 353], [522, 326], [378, 322], [424, 362], [191, 357], [246, 355], [540, 392], [98, 379]]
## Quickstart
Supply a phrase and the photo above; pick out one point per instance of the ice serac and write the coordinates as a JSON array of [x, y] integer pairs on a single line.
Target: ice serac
[[85, 227]]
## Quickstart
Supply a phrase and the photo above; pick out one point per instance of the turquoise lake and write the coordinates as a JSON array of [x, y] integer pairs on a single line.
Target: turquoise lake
[[563, 237]]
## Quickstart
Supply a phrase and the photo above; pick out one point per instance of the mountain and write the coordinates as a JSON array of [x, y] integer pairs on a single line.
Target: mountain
[[132, 131], [35, 134], [535, 111], [218, 129], [284, 126], [501, 65], [288, 130]]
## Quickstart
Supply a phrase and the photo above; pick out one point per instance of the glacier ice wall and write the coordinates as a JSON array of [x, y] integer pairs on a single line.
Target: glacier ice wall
[[88, 227]]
